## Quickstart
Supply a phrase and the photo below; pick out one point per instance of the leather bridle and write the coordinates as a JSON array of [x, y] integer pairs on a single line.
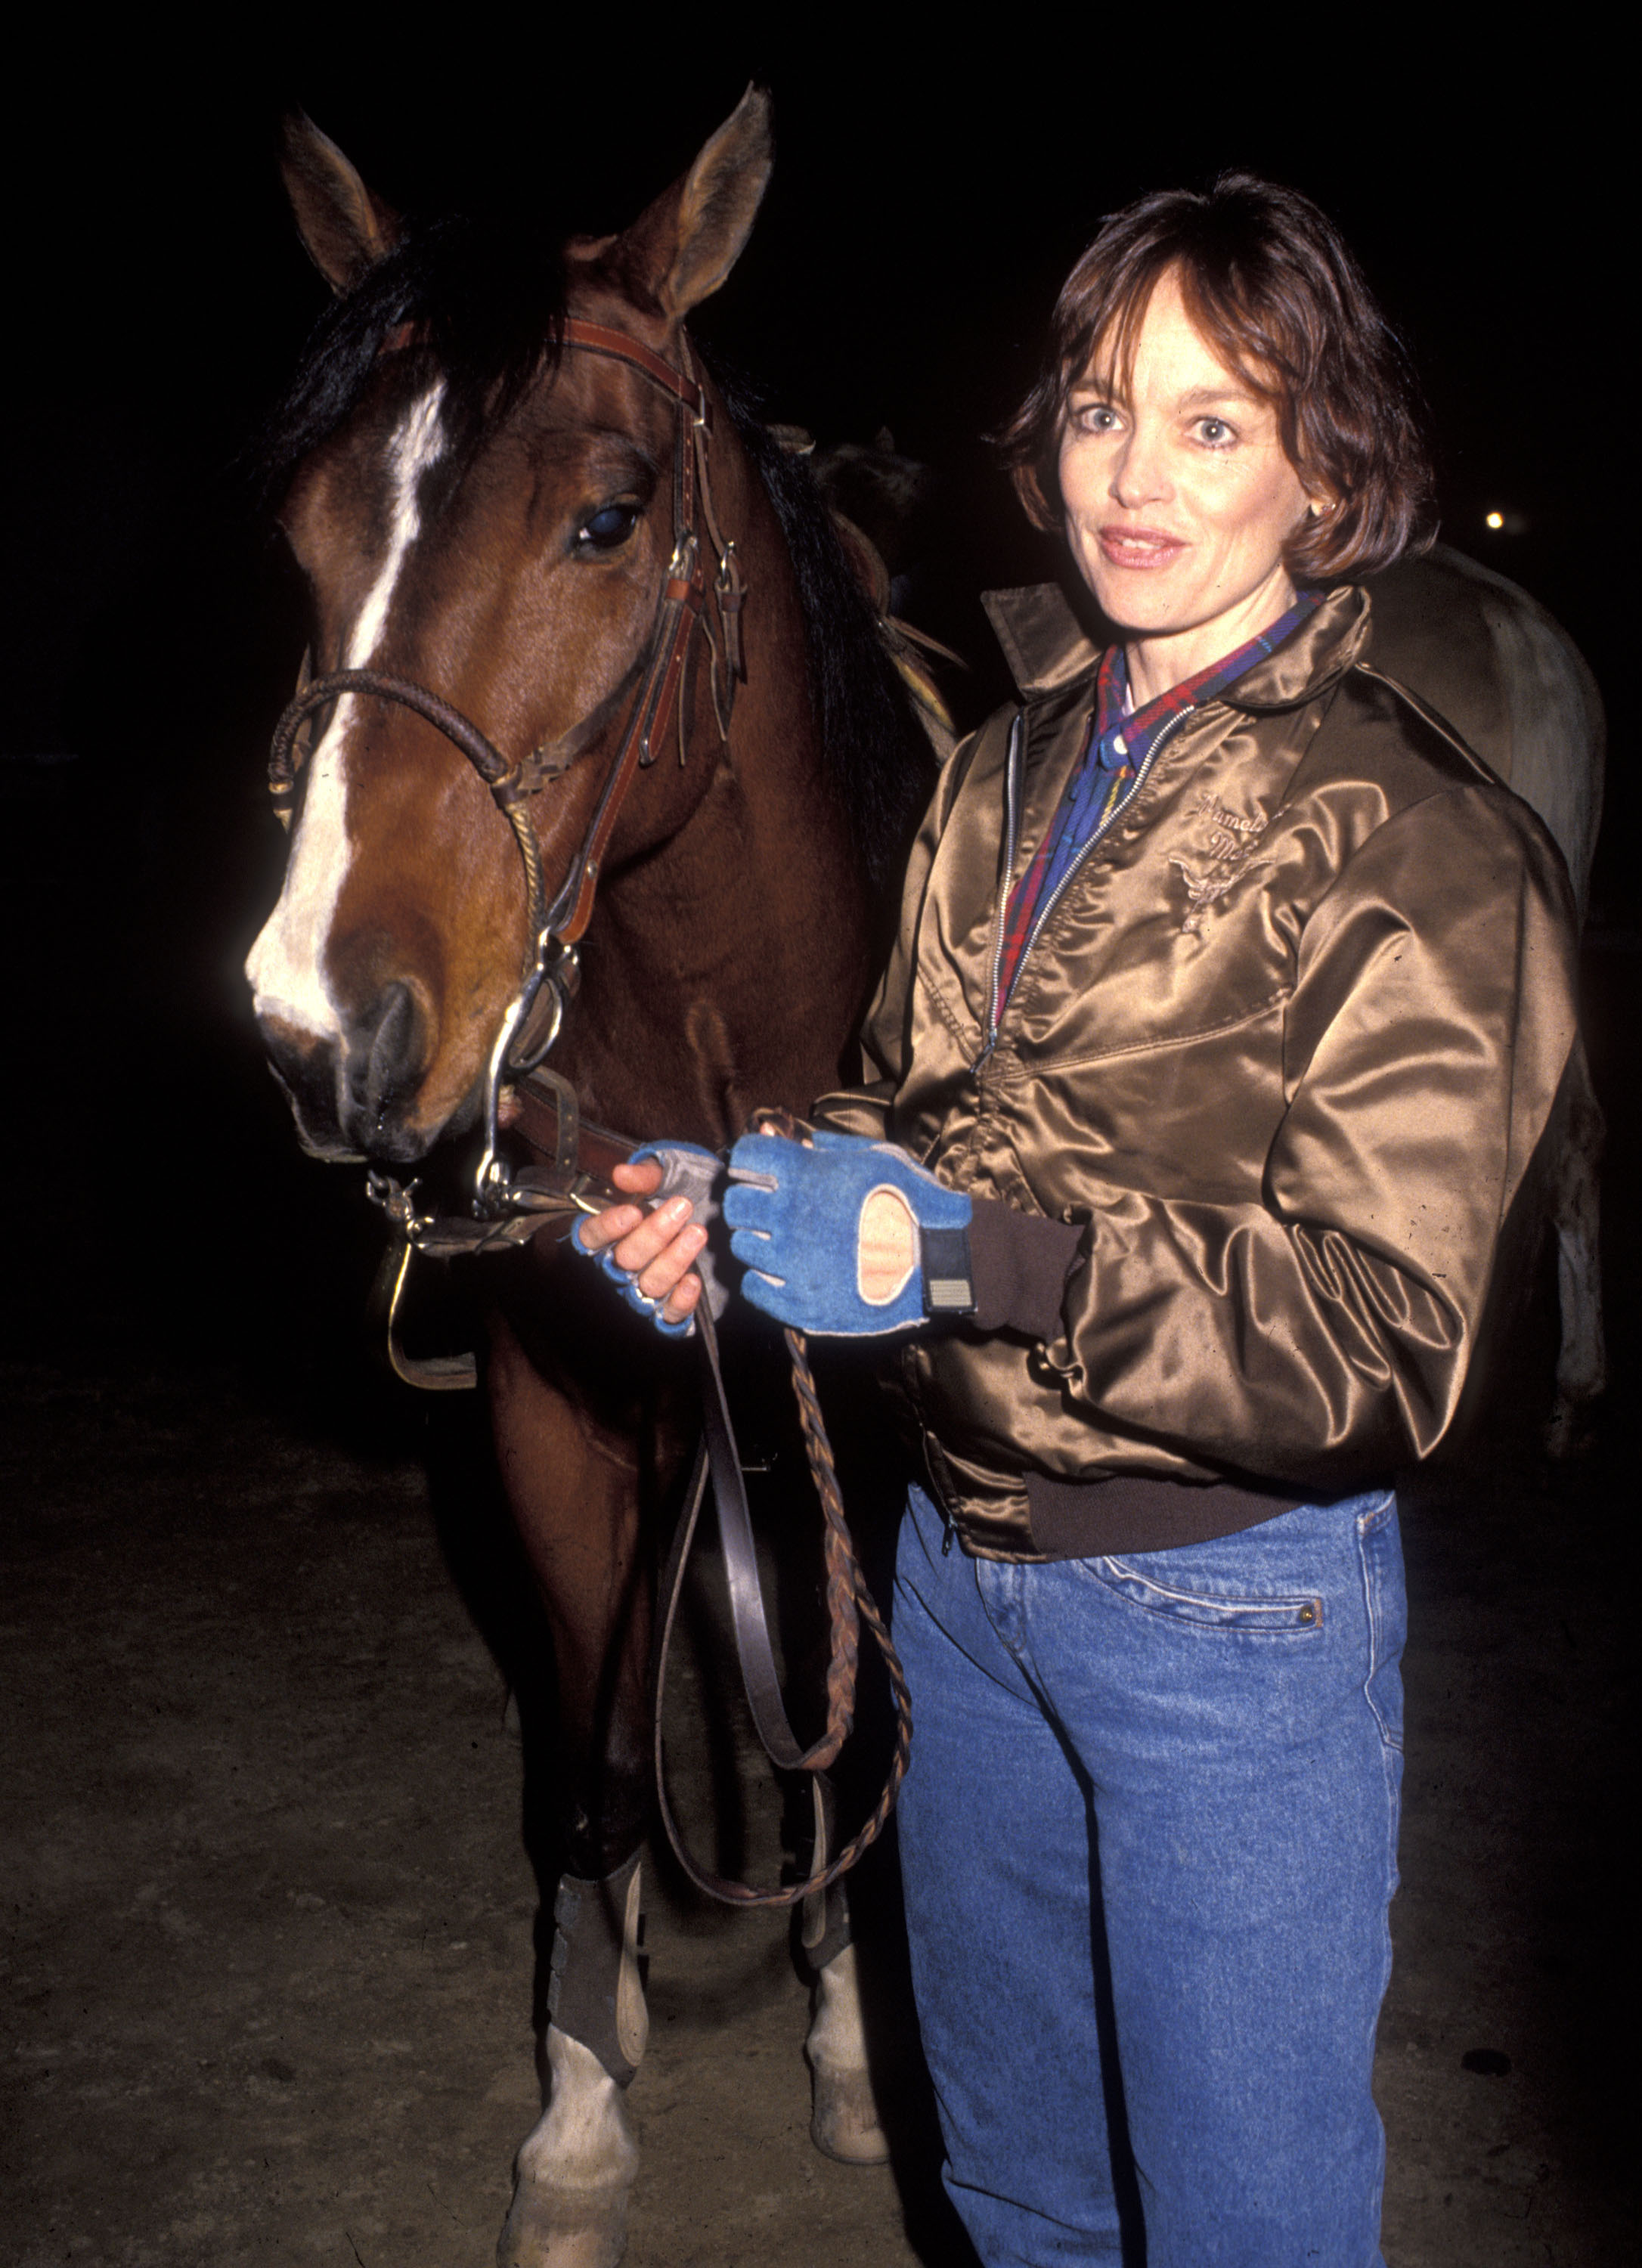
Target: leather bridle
[[534, 1018]]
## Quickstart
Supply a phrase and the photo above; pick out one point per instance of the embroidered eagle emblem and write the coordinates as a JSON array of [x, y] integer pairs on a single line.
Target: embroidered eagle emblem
[[1233, 835]]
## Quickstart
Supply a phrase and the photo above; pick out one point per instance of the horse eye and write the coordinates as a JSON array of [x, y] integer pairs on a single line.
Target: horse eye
[[604, 529]]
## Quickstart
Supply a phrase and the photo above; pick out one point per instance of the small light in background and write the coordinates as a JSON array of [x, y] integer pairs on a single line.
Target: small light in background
[[1496, 519], [1506, 521]]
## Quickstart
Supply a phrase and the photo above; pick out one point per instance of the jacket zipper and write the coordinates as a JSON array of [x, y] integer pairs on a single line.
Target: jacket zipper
[[1109, 819], [1011, 815]]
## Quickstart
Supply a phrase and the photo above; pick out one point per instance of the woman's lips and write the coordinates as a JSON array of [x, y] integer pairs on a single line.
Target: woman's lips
[[1140, 547]]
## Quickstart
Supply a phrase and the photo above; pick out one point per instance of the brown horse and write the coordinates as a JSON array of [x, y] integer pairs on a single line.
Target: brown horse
[[493, 472]]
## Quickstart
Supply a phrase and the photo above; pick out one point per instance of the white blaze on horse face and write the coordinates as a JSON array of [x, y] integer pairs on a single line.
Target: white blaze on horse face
[[414, 448], [286, 966]]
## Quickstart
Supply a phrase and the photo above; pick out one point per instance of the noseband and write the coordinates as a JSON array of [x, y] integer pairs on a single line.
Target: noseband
[[550, 972]]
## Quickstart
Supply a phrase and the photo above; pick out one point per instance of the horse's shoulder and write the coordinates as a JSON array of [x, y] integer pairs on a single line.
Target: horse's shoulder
[[1494, 665], [1379, 731]]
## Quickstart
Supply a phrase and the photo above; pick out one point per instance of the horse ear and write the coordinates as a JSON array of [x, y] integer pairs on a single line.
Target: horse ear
[[679, 251], [344, 227]]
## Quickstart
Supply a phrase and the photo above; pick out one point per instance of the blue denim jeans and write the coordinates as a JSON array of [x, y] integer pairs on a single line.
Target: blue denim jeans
[[1148, 1839]]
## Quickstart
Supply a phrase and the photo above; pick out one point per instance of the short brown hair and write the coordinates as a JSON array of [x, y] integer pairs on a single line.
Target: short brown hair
[[1268, 281]]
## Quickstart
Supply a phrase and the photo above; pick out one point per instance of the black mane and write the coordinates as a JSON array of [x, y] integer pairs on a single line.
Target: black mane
[[490, 304], [876, 753], [489, 301]]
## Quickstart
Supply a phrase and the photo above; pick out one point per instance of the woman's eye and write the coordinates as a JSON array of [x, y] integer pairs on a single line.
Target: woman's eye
[[604, 529], [1097, 417], [1215, 434]]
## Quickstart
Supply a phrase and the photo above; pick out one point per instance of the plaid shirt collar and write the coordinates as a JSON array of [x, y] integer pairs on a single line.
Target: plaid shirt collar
[[1120, 738], [1105, 777]]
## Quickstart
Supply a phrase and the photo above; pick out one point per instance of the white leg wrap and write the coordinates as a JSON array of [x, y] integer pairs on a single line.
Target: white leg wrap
[[845, 2121], [574, 2170]]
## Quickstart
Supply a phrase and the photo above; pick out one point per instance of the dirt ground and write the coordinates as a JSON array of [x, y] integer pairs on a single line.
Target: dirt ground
[[268, 1916]]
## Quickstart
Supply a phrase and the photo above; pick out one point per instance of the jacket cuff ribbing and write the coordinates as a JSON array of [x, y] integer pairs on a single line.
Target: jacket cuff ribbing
[[1019, 1264]]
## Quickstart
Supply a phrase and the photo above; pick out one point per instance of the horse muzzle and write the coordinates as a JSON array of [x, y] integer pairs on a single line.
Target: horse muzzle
[[356, 1097]]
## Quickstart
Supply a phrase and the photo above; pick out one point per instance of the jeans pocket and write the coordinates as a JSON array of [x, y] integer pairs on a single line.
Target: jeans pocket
[[1384, 1594], [1298, 1615]]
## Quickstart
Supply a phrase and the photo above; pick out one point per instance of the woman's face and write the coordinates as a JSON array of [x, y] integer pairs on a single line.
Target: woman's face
[[1179, 501]]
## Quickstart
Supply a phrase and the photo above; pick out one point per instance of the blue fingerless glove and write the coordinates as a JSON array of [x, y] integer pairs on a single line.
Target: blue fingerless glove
[[796, 1213], [686, 1171]]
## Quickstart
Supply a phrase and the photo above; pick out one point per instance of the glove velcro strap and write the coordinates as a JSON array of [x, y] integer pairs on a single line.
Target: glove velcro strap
[[948, 1274]]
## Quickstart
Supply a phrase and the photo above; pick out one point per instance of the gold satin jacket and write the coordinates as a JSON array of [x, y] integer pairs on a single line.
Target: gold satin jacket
[[1283, 1048]]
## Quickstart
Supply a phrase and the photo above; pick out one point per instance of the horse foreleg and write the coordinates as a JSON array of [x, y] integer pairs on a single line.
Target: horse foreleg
[[575, 2168], [573, 1481], [1577, 1135], [843, 2109], [574, 2171]]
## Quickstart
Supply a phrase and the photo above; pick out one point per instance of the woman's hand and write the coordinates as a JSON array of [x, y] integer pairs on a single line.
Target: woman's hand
[[657, 1245], [845, 1236]]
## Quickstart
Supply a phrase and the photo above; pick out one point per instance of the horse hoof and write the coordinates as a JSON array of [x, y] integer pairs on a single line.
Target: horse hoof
[[554, 2227], [843, 2119], [575, 2168]]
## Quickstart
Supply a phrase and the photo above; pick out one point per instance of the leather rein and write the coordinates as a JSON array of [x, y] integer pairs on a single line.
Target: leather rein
[[511, 1207]]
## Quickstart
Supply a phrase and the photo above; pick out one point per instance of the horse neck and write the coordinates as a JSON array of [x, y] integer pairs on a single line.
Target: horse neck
[[726, 968]]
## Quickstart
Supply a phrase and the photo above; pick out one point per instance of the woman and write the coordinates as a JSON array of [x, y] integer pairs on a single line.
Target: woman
[[1230, 1000]]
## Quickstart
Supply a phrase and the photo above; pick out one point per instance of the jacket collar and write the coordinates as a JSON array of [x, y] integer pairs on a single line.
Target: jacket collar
[[1047, 649]]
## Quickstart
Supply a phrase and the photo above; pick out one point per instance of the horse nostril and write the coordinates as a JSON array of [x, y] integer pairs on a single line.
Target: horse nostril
[[386, 1058]]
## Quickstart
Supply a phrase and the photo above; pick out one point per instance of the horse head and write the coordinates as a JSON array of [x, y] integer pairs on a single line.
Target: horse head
[[500, 535]]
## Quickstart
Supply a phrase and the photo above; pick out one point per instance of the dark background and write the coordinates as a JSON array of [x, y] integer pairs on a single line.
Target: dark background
[[926, 205], [927, 201]]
